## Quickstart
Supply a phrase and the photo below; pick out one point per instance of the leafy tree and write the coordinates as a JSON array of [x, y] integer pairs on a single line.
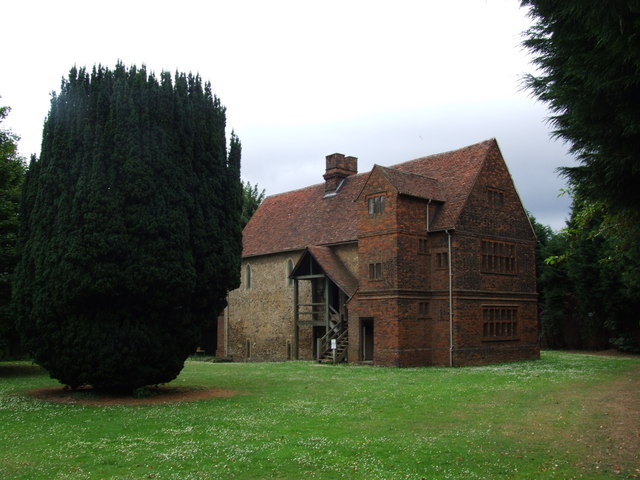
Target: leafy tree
[[131, 233], [588, 282], [587, 53], [602, 260], [12, 170], [554, 296], [251, 200]]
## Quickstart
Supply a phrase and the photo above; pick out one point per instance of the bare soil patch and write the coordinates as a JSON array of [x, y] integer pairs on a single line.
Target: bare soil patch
[[610, 422], [152, 396], [620, 425]]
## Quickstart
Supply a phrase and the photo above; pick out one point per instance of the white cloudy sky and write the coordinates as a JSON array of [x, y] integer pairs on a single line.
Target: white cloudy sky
[[385, 81]]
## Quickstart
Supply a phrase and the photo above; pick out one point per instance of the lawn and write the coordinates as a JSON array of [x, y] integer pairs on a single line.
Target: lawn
[[565, 416]]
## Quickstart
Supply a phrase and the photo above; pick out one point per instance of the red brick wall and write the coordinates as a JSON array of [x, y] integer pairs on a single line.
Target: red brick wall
[[403, 335], [475, 288], [471, 348], [508, 220]]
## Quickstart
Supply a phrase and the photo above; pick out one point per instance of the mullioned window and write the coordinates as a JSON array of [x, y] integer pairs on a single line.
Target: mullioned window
[[499, 257]]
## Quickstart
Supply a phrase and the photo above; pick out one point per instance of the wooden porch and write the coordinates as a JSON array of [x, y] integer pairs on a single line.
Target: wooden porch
[[324, 306], [332, 346]]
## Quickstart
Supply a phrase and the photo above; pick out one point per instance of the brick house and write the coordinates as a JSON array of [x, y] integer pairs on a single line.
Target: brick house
[[428, 262]]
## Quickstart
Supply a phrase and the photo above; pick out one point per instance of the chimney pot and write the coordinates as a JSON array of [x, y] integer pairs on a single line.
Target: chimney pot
[[338, 168]]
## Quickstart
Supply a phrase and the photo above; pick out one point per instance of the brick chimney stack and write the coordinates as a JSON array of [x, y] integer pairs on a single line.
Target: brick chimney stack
[[338, 168]]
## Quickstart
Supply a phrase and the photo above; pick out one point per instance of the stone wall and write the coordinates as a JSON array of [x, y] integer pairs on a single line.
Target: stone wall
[[260, 319]]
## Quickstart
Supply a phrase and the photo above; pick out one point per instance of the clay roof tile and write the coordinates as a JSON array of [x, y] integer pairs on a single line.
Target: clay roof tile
[[300, 218]]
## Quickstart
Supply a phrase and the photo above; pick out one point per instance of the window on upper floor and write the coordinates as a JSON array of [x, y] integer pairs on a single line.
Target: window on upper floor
[[423, 246], [375, 271], [442, 260], [495, 198], [499, 323], [376, 204], [423, 309], [499, 257]]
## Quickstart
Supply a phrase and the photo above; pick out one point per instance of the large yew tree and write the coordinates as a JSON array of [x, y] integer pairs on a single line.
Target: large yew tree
[[131, 232]]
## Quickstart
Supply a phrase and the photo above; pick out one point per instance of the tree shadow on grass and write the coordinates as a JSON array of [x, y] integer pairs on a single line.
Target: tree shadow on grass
[[12, 370], [152, 395]]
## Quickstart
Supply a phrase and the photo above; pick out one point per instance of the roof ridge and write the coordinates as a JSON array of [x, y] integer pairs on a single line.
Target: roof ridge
[[289, 221], [392, 167], [448, 152], [308, 187]]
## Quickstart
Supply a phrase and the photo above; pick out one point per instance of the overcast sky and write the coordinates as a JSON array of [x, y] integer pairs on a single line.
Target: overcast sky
[[385, 81]]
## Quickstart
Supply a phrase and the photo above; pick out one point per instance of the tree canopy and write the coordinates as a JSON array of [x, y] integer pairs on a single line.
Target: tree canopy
[[589, 284], [12, 170], [251, 200], [589, 76], [587, 54], [130, 234]]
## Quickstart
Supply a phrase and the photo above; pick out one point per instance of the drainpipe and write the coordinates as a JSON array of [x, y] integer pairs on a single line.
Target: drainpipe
[[450, 300], [428, 207]]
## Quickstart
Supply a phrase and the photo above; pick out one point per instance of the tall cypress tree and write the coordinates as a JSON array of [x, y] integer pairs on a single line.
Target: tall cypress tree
[[131, 227], [587, 55]]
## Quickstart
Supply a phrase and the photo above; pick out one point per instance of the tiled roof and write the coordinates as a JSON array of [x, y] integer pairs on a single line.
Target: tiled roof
[[413, 184], [297, 219], [334, 269], [456, 172], [302, 218]]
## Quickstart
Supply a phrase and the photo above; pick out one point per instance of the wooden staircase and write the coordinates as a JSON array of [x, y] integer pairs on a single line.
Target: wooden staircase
[[338, 336]]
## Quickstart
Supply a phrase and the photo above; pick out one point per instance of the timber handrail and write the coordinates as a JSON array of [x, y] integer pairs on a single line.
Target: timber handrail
[[338, 332]]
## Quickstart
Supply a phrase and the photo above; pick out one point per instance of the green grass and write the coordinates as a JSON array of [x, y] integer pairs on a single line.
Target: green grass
[[551, 418]]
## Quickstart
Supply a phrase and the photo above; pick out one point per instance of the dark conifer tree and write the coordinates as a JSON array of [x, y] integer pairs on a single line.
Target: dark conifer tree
[[131, 229], [587, 55]]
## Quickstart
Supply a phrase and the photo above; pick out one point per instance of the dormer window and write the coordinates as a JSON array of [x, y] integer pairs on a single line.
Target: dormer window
[[376, 204]]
